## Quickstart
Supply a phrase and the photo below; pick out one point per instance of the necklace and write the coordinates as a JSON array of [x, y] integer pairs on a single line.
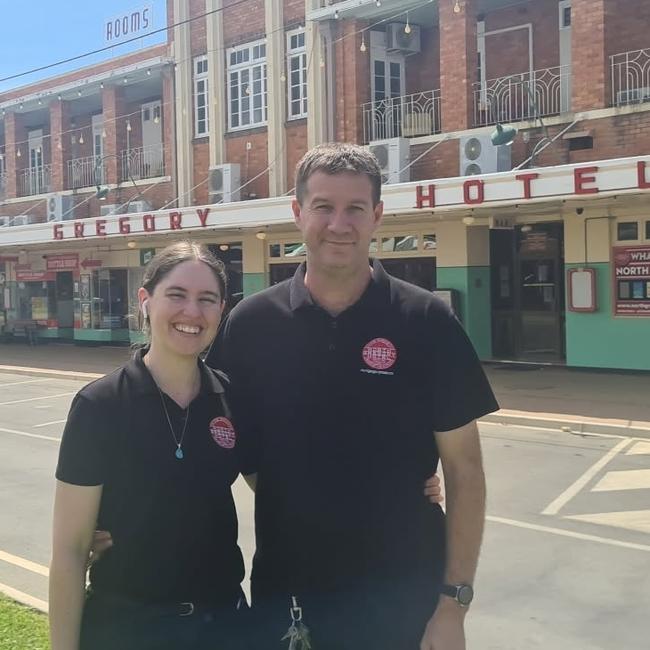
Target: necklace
[[179, 443]]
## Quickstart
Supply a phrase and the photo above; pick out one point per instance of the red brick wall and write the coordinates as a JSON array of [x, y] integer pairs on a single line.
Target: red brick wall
[[441, 162], [253, 161], [201, 162], [628, 23], [244, 22], [423, 69], [198, 28], [296, 148], [508, 52], [294, 12]]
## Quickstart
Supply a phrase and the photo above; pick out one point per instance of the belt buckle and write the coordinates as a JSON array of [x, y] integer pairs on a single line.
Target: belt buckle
[[189, 607]]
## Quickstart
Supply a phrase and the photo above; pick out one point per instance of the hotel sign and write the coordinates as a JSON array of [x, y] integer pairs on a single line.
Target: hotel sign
[[129, 24]]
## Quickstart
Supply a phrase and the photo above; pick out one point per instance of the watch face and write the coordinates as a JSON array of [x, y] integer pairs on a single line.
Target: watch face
[[465, 595]]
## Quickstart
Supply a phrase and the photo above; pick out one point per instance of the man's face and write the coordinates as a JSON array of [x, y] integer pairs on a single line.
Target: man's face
[[337, 220]]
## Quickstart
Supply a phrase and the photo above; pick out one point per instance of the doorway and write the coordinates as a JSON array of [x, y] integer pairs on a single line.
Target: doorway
[[527, 276], [64, 300]]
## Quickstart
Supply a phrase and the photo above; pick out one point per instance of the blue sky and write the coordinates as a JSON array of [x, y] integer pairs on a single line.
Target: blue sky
[[39, 32]]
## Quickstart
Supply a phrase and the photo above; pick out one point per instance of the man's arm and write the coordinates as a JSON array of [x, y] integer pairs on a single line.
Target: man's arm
[[462, 466]]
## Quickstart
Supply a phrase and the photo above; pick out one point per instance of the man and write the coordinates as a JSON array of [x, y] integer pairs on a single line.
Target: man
[[348, 387]]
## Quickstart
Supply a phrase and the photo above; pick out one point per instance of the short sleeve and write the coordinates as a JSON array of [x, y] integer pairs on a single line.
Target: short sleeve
[[226, 355], [84, 454], [462, 391]]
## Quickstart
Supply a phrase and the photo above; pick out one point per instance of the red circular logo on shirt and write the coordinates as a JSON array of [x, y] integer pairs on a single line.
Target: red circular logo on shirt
[[380, 354], [223, 432]]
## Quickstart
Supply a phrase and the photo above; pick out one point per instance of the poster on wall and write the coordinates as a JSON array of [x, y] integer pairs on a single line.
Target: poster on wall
[[86, 321], [631, 280], [84, 287]]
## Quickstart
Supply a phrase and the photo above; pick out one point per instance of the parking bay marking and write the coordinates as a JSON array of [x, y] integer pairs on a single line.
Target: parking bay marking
[[29, 435], [33, 399]]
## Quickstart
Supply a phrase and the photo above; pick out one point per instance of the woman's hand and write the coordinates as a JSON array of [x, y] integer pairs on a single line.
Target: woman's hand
[[433, 489]]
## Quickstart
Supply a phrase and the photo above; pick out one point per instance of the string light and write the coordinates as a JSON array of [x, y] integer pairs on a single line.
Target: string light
[[378, 3], [128, 126], [407, 27], [81, 138], [336, 14], [148, 72], [18, 154], [78, 93], [283, 77], [457, 7], [101, 85], [363, 47], [103, 133]]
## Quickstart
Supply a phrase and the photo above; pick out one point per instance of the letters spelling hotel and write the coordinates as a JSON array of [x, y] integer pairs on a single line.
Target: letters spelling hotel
[[542, 247]]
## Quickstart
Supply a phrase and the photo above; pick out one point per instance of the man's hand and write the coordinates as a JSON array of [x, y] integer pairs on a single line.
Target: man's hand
[[432, 489], [102, 541], [445, 629]]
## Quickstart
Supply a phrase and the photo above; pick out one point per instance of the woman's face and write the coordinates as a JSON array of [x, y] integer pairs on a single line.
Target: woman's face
[[184, 309]]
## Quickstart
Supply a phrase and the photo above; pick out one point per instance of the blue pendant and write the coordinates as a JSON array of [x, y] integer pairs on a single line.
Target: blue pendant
[[179, 453]]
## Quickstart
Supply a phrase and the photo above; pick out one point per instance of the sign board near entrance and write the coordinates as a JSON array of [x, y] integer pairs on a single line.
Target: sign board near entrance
[[631, 280], [63, 262]]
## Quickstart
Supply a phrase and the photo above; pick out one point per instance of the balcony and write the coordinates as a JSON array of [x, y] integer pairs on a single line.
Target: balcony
[[630, 77], [507, 99], [402, 117], [35, 180], [142, 162], [81, 172]]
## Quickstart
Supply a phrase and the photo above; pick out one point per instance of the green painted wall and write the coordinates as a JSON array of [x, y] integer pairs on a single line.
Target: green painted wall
[[253, 282], [600, 340], [473, 283], [120, 335]]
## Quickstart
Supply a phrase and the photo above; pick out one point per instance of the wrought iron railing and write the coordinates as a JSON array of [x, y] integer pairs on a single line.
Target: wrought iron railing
[[142, 162], [510, 99], [406, 117], [81, 172], [3, 184], [35, 180], [630, 77]]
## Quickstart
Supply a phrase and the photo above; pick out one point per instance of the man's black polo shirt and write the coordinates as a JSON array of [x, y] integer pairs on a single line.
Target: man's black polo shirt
[[337, 416], [173, 522]]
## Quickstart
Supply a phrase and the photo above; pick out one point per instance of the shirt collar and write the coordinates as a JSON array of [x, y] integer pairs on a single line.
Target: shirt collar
[[144, 384], [378, 287]]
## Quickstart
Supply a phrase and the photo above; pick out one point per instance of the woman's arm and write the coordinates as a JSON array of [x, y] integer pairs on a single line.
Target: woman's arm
[[75, 517]]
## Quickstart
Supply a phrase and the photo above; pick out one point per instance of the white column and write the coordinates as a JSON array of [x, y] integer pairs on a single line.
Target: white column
[[277, 97], [316, 113], [182, 53], [216, 82]]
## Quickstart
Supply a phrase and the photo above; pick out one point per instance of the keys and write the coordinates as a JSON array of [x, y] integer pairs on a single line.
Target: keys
[[298, 632]]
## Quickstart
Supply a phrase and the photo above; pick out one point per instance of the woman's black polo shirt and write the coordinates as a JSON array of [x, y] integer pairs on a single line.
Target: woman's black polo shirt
[[337, 416], [173, 522]]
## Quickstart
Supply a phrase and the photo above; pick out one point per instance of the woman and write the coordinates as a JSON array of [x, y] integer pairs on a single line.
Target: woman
[[148, 453]]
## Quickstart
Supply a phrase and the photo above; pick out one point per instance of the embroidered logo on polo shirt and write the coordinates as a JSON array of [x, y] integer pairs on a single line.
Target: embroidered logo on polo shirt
[[380, 355], [223, 432]]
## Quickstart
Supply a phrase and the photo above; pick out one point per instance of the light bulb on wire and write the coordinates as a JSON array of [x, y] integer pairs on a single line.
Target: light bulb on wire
[[81, 139], [457, 7], [18, 154], [363, 47], [407, 27], [378, 3]]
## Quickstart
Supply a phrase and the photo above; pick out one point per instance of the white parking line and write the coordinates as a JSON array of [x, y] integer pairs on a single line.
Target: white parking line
[[23, 598], [24, 564], [33, 399], [569, 533], [568, 494], [29, 435], [47, 424], [28, 381]]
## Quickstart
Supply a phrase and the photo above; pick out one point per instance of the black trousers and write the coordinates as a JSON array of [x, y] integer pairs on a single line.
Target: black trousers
[[378, 617], [114, 623]]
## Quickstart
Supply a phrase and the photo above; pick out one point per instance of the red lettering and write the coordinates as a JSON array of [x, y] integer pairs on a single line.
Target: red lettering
[[175, 219], [124, 225], [644, 183], [100, 227], [582, 176], [480, 191], [527, 180], [149, 222], [425, 199], [203, 215], [79, 229], [58, 231]]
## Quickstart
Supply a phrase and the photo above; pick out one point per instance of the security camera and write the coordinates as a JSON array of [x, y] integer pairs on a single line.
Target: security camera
[[579, 210]]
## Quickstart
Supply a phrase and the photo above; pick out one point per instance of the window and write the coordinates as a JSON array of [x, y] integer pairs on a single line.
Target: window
[[296, 74], [201, 124], [627, 230], [247, 86], [647, 229]]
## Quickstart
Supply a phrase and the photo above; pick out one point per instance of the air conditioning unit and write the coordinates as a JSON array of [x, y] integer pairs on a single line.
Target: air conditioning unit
[[108, 209], [20, 220], [137, 206], [393, 158], [224, 183], [479, 156], [632, 96], [415, 124], [397, 40], [60, 207]]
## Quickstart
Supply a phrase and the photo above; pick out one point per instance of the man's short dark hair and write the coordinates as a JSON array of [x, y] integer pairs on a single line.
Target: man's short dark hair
[[336, 158]]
